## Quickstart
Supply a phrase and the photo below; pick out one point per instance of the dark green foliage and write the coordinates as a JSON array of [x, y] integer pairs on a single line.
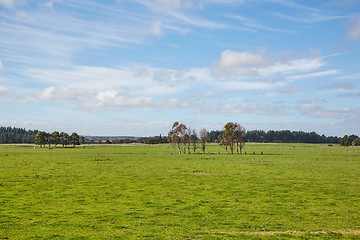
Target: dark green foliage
[[351, 140], [286, 136], [16, 135]]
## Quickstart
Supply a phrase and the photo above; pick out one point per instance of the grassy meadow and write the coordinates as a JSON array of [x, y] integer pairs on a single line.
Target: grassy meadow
[[290, 191]]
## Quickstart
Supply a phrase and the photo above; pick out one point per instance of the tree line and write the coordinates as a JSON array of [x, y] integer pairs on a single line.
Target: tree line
[[13, 135], [16, 135], [286, 136]]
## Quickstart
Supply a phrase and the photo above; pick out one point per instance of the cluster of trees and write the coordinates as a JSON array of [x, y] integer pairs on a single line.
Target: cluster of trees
[[16, 135], [351, 140], [233, 135], [187, 140], [55, 138]]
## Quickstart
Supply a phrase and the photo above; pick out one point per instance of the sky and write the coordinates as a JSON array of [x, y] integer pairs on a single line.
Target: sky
[[134, 67]]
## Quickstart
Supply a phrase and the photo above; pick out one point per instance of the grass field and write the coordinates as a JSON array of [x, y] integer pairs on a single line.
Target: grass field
[[291, 191]]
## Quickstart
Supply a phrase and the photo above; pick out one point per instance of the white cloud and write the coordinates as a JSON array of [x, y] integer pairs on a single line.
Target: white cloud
[[354, 32], [63, 93], [103, 88], [115, 98], [134, 87], [232, 63], [243, 65]]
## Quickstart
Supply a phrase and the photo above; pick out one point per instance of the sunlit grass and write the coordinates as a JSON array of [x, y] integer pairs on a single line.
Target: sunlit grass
[[134, 192]]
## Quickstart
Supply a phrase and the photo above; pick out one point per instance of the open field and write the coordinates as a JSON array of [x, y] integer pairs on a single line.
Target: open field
[[291, 191]]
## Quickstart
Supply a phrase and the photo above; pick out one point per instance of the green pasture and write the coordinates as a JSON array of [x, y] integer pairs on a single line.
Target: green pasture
[[274, 191]]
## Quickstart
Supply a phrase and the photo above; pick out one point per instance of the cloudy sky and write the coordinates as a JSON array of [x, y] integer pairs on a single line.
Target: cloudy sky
[[133, 67]]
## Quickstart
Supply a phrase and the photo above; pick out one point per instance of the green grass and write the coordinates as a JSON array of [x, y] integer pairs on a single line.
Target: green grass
[[291, 191]]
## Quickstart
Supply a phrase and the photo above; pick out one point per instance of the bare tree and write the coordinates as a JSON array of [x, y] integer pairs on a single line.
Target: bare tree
[[203, 138]]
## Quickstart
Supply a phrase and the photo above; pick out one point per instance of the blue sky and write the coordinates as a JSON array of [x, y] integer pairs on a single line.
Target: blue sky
[[134, 67]]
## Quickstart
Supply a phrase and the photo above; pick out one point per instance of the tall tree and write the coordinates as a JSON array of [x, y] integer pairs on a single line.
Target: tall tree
[[64, 139], [239, 137], [345, 141], [75, 139], [228, 140], [55, 137], [41, 138], [203, 138], [194, 139], [177, 135]]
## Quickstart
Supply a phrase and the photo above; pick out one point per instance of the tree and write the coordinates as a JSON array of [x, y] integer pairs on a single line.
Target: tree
[[64, 139], [204, 136], [345, 141], [215, 136], [41, 138], [55, 137], [239, 137], [228, 140], [233, 134], [75, 139], [356, 142], [194, 139], [177, 136]]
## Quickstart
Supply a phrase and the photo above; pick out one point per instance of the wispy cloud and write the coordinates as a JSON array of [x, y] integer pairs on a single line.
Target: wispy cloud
[[315, 74], [236, 108], [246, 64], [57, 37], [316, 110], [309, 19], [254, 25]]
